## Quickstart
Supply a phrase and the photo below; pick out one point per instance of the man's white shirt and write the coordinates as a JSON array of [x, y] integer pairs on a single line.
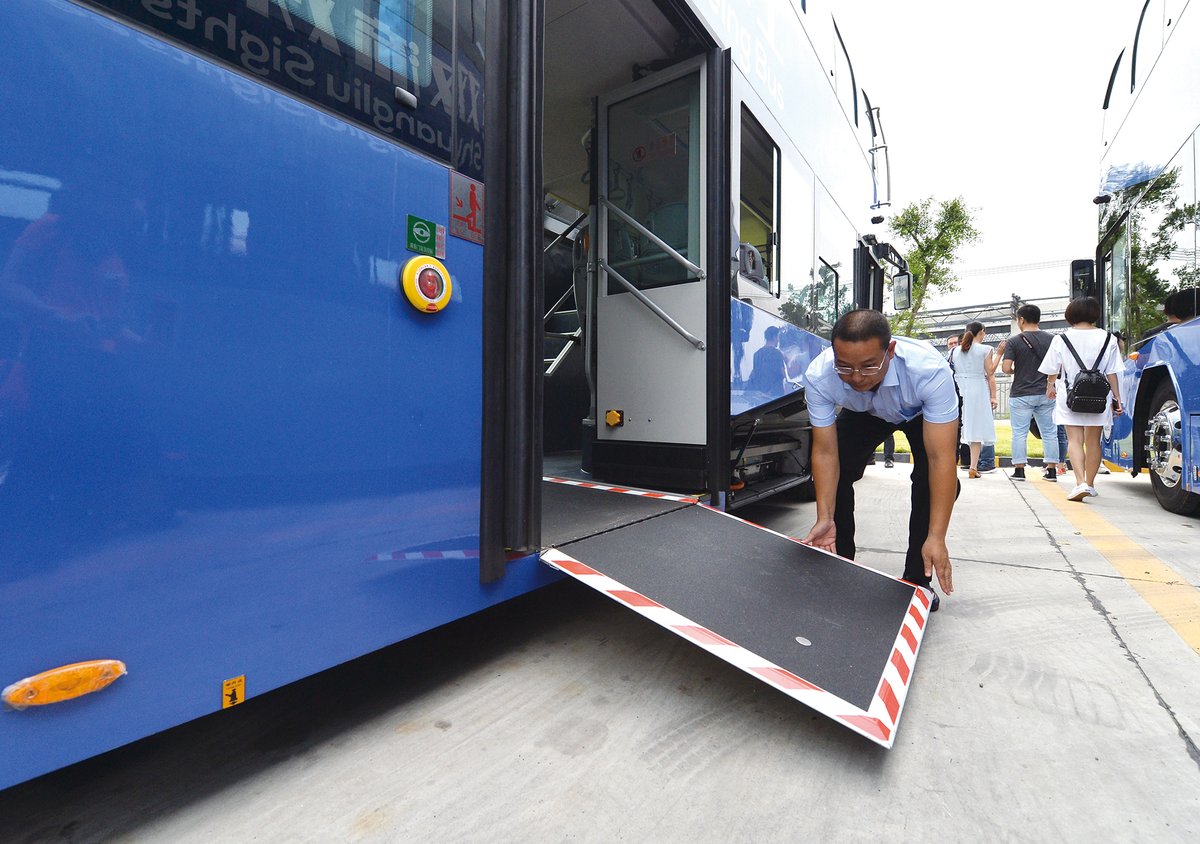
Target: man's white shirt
[[918, 381]]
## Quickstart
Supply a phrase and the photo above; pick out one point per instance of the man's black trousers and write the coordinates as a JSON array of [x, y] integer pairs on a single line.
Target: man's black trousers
[[859, 434]]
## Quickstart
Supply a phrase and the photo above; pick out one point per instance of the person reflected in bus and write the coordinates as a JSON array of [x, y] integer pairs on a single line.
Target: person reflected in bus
[[741, 320], [975, 371], [1185, 304], [1023, 354], [795, 360], [1084, 430], [769, 373], [1178, 307], [84, 455], [883, 384]]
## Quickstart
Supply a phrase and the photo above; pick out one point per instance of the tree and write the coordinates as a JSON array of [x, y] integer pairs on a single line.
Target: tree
[[815, 307], [932, 232], [1158, 258]]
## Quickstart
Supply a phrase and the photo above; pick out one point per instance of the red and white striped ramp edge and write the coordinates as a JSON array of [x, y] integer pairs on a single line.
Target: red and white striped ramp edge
[[469, 554], [878, 722], [645, 493]]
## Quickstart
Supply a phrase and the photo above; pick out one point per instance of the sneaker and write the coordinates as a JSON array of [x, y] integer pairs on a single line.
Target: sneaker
[[989, 469], [1091, 491], [887, 464], [1104, 470], [1018, 473], [1079, 493], [1062, 468], [1050, 474]]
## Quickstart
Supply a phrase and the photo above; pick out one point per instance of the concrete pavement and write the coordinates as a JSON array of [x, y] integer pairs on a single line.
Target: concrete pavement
[[1052, 701]]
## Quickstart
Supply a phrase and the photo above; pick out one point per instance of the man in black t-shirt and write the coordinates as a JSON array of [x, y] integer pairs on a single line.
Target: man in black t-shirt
[[1023, 355]]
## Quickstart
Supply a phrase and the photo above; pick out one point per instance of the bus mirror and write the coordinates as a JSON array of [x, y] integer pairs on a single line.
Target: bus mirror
[[1083, 278], [902, 291]]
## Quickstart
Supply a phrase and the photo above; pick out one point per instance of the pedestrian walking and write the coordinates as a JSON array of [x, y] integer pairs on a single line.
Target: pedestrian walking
[[975, 372], [1023, 354], [1081, 347]]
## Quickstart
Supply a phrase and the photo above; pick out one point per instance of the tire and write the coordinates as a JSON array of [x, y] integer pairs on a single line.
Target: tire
[[1164, 453]]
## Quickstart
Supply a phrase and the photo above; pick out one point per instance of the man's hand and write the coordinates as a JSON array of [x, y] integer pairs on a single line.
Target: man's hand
[[824, 536], [937, 558]]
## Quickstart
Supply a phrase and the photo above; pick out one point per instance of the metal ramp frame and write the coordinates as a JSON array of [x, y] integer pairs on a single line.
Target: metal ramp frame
[[834, 635]]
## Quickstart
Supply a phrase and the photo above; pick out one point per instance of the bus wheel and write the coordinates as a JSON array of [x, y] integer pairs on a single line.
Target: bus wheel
[[1164, 453]]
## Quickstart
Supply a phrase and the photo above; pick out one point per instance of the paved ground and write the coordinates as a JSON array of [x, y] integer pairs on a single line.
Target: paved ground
[[1057, 697]]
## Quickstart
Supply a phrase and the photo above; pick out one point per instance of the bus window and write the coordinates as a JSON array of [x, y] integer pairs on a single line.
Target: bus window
[[758, 223], [350, 57], [836, 239], [828, 296], [1162, 247], [468, 94]]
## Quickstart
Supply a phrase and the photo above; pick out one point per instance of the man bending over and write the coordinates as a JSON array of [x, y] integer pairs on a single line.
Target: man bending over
[[883, 384]]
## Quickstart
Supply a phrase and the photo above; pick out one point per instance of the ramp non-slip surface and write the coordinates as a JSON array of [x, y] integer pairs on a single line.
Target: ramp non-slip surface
[[762, 591], [837, 636]]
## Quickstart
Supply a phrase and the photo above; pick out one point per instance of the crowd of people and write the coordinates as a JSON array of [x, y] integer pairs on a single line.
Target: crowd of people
[[1037, 361]]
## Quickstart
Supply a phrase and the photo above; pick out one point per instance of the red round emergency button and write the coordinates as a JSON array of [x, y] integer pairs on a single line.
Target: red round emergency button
[[430, 283], [426, 283]]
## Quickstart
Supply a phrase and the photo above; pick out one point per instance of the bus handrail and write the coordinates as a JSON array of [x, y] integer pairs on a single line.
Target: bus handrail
[[655, 239], [649, 303], [554, 309]]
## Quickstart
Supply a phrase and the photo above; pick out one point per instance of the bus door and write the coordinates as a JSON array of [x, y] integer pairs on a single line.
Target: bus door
[[656, 339]]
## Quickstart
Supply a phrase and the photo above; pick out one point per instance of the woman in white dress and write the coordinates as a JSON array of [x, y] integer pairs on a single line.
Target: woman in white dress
[[974, 369], [1083, 429]]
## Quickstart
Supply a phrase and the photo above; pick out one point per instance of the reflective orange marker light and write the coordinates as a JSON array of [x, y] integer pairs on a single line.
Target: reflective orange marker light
[[63, 683]]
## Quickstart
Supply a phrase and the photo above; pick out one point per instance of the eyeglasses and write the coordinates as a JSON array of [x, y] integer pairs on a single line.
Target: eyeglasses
[[873, 369]]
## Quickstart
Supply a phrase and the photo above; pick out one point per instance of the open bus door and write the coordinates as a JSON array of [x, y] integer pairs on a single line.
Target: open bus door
[[666, 137], [660, 316]]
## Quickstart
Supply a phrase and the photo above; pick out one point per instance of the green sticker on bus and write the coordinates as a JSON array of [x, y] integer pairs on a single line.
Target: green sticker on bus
[[422, 235]]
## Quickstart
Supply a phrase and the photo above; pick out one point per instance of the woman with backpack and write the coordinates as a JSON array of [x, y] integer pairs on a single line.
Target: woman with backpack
[[1089, 361]]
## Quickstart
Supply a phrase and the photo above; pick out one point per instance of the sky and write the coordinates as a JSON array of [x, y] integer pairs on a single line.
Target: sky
[[999, 103]]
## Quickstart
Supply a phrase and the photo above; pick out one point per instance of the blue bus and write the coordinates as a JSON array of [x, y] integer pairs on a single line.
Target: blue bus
[[300, 301], [1147, 248]]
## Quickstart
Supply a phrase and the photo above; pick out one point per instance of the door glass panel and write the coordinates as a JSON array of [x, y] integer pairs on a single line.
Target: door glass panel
[[654, 177], [1118, 283]]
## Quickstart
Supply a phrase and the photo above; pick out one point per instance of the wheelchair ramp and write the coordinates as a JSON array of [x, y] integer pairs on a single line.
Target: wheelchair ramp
[[836, 636]]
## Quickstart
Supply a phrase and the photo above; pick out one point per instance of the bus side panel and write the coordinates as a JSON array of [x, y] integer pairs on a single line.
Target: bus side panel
[[228, 446], [1179, 350]]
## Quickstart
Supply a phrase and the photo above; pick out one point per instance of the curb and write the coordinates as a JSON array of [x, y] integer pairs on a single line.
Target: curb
[[1001, 462]]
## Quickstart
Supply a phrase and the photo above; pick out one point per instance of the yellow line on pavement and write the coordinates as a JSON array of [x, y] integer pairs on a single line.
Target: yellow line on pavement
[[1166, 591]]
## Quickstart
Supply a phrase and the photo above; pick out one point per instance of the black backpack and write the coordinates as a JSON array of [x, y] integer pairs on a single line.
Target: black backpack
[[1089, 393]]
